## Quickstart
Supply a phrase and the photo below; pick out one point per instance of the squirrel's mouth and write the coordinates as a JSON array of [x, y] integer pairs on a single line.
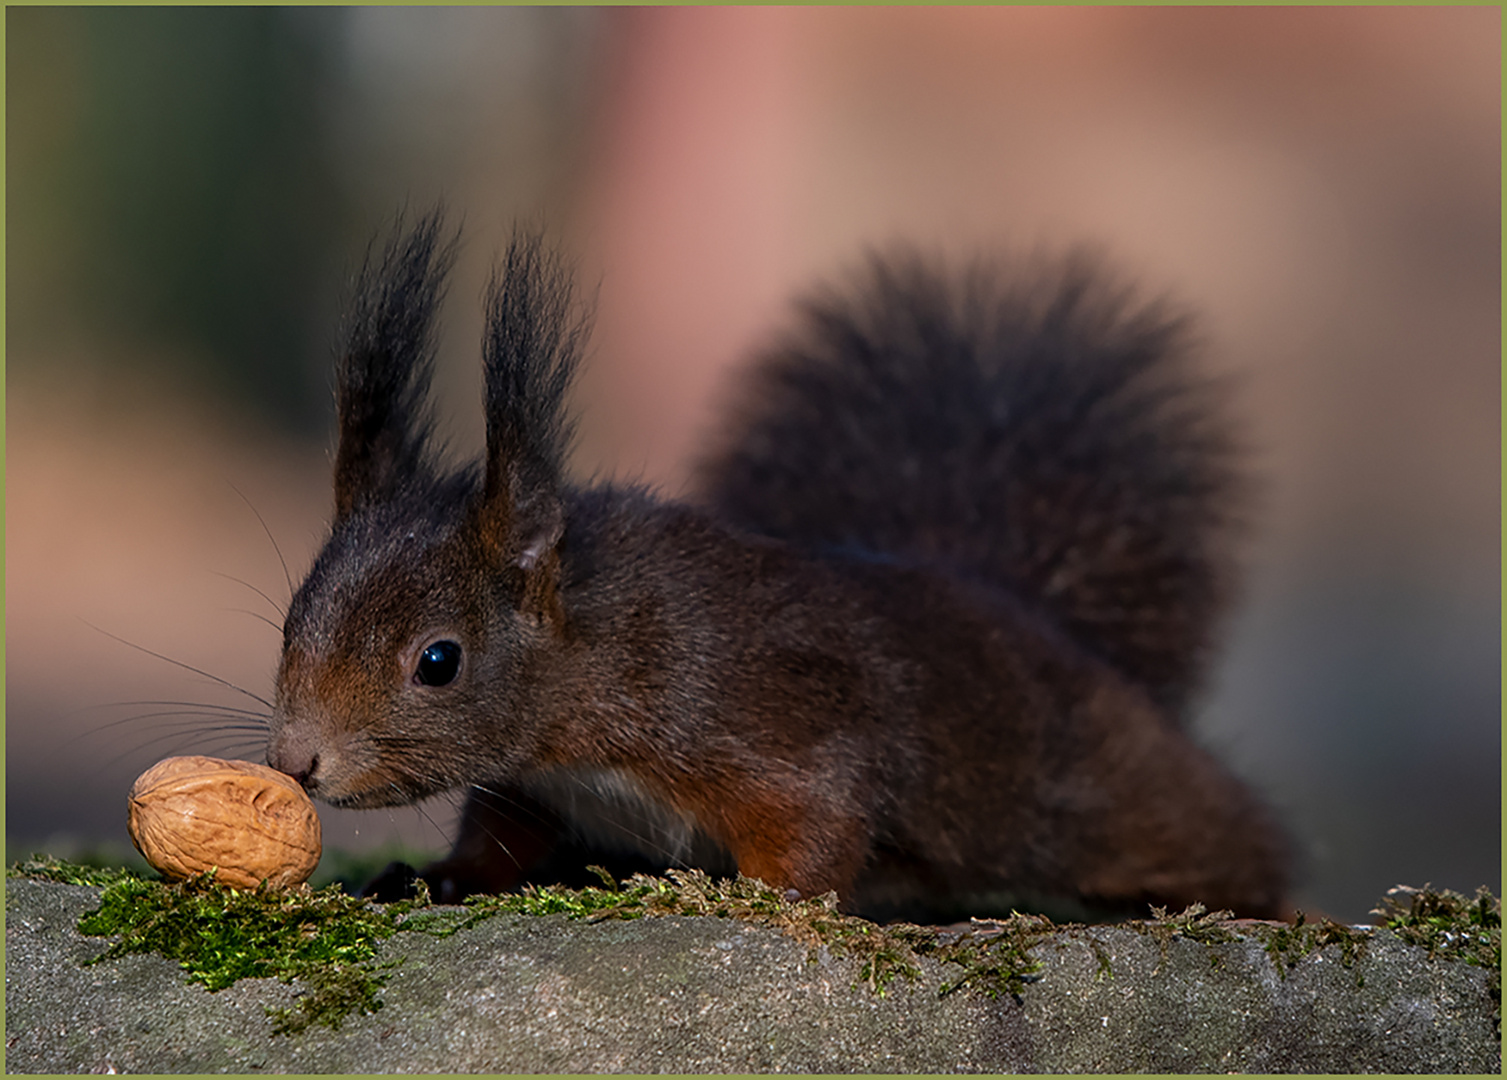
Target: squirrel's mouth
[[362, 800], [345, 771], [374, 795], [369, 789]]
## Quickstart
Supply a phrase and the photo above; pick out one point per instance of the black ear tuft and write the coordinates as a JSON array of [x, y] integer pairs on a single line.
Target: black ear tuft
[[385, 365], [534, 337]]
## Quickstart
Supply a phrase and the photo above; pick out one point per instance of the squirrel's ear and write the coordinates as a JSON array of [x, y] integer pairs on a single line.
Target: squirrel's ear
[[533, 345], [384, 367], [536, 555]]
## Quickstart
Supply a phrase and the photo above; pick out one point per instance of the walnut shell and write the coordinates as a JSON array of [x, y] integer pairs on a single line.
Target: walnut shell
[[246, 822]]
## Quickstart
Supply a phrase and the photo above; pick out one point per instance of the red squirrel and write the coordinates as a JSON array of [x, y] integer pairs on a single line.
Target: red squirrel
[[925, 636]]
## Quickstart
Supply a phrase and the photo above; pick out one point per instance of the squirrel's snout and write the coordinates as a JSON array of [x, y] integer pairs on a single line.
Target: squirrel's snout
[[297, 757]]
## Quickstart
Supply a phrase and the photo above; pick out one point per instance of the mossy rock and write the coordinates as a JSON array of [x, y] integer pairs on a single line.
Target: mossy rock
[[762, 986]]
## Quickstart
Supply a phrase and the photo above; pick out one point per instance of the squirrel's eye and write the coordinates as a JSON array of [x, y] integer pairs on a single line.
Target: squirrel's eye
[[438, 664]]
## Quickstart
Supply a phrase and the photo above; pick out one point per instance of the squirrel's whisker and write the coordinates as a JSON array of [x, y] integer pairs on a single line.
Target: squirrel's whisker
[[288, 577], [239, 581], [179, 663]]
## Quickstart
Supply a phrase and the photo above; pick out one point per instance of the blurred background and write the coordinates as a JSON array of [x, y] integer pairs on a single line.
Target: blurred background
[[189, 189]]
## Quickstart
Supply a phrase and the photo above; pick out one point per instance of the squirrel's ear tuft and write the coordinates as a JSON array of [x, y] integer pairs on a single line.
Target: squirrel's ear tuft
[[534, 337], [385, 365]]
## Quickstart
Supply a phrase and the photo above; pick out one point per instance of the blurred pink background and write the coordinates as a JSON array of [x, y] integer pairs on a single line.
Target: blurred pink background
[[1321, 185]]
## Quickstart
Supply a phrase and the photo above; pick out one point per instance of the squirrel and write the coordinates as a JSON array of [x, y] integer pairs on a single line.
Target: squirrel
[[925, 635]]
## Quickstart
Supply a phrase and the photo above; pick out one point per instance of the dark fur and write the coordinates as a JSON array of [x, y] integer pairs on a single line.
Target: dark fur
[[942, 679], [384, 369], [1040, 433]]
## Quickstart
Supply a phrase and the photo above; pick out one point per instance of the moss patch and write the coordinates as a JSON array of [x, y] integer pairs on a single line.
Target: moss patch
[[1286, 945], [46, 868], [993, 957], [219, 935], [1452, 926], [1446, 923], [1196, 923], [884, 951]]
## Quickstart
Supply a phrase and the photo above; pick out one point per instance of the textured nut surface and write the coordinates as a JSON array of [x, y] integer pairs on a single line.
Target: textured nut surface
[[249, 823]]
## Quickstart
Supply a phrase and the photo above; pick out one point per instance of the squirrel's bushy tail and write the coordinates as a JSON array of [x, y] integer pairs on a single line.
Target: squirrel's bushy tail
[[1040, 431]]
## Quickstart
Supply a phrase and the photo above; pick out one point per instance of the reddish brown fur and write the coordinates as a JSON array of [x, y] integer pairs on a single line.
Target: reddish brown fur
[[922, 725]]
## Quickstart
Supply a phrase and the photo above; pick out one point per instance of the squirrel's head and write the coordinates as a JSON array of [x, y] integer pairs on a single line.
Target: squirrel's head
[[409, 648]]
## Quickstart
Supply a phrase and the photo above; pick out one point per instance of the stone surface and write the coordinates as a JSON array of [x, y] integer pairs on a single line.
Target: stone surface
[[529, 994]]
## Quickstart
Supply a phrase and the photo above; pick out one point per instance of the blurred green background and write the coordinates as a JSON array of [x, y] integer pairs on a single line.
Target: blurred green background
[[189, 189], [172, 183]]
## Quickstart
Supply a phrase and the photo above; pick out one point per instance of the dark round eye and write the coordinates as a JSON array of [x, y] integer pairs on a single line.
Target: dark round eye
[[438, 664]]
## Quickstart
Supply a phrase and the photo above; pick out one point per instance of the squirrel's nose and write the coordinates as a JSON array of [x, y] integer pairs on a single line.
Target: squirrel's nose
[[295, 756]]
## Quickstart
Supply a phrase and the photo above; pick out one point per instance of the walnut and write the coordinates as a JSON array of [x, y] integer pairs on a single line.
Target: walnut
[[246, 822]]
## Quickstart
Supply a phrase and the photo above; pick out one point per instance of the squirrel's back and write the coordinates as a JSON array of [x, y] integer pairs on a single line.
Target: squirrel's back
[[1037, 429]]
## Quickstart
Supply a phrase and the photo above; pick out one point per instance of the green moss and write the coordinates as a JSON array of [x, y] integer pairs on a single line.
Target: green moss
[[46, 868], [219, 935], [993, 958], [1105, 971], [1196, 923], [1450, 925], [1286, 945], [1446, 923], [884, 952]]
